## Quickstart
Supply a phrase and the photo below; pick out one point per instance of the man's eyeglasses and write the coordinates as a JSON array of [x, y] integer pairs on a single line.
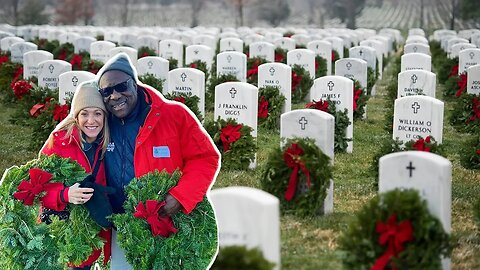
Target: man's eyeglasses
[[121, 87]]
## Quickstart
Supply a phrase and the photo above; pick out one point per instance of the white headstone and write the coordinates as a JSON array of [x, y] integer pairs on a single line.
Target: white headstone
[[457, 48], [170, 48], [231, 44], [324, 50], [416, 82], [473, 80], [128, 39], [263, 50], [317, 125], [416, 39], [82, 44], [49, 72], [467, 58], [188, 81], [413, 61], [248, 217], [301, 39], [379, 52], [278, 75], [253, 38], [337, 45], [416, 48], [285, 43], [68, 82], [365, 53], [131, 52], [7, 42], [68, 38], [149, 41], [304, 58], [19, 49], [234, 63], [199, 52], [154, 65], [100, 50], [31, 61], [352, 68], [453, 41], [237, 100], [428, 173], [112, 36], [339, 90], [207, 40], [418, 116]]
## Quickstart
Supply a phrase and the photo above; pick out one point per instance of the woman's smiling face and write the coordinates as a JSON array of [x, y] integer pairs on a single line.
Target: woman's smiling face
[[91, 121]]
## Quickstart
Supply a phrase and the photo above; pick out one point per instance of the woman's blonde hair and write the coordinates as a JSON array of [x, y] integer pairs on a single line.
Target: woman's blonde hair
[[80, 102]]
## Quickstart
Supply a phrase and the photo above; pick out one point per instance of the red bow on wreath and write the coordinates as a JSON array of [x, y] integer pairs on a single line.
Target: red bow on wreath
[[263, 107], [333, 56], [162, 226], [454, 71], [62, 55], [462, 84], [254, 70], [394, 236], [279, 57], [478, 152], [179, 99], [321, 105], [229, 134], [40, 107], [420, 144], [21, 88], [3, 59], [76, 61], [60, 112], [39, 182], [296, 79], [193, 65], [475, 109], [291, 156], [357, 92]]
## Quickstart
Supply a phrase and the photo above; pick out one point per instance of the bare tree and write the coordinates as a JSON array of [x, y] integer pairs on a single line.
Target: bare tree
[[10, 11], [240, 6], [346, 10], [196, 5], [70, 11], [125, 9], [273, 11]]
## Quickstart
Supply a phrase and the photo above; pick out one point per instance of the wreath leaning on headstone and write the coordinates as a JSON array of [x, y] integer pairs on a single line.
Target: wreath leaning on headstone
[[270, 103], [298, 174], [26, 243], [191, 101], [234, 141], [341, 122], [389, 145], [153, 242], [210, 89], [465, 113], [470, 153], [240, 257], [360, 99], [151, 80], [301, 83], [394, 230]]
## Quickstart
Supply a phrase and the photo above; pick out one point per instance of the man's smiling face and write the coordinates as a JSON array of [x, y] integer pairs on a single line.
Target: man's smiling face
[[119, 92]]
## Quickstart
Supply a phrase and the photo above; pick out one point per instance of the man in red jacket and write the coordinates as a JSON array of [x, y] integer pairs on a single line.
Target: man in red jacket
[[150, 133]]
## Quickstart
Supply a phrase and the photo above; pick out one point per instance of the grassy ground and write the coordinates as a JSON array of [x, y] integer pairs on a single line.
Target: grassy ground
[[311, 243]]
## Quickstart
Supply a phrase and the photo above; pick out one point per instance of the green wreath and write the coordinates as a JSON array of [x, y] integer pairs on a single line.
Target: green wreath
[[465, 113], [301, 83], [360, 99], [202, 66], [470, 153], [214, 81], [280, 167], [280, 55], [63, 52], [145, 51], [335, 57], [151, 80], [252, 69], [237, 145], [341, 122], [49, 46], [389, 145], [26, 243], [444, 66], [191, 101], [193, 246], [172, 63], [270, 103], [371, 80], [422, 250], [239, 257], [320, 66], [9, 73]]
